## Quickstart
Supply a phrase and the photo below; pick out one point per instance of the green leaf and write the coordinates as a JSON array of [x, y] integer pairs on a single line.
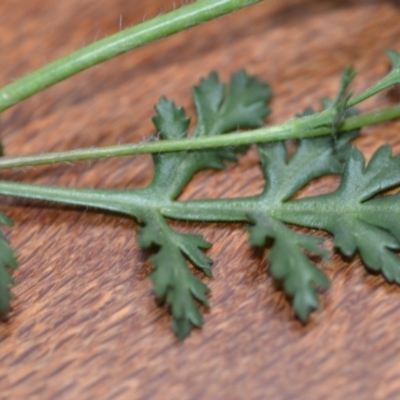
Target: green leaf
[[242, 105], [7, 263], [358, 221], [340, 104], [173, 282], [360, 214], [174, 170], [342, 97], [360, 183], [312, 158], [170, 121], [394, 57], [335, 110], [288, 262], [356, 232]]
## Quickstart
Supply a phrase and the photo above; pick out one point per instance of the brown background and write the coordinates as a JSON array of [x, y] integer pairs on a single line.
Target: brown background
[[84, 323]]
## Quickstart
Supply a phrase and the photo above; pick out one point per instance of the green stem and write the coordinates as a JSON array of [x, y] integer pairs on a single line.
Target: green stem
[[131, 202], [306, 127], [114, 45], [392, 79], [137, 203]]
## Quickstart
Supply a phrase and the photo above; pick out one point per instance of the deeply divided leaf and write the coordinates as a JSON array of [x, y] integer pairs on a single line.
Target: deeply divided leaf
[[362, 214], [359, 221], [7, 263], [173, 282], [285, 176], [311, 159], [289, 264], [241, 105]]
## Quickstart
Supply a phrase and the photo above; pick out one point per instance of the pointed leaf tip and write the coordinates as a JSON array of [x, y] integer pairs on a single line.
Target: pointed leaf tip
[[394, 57]]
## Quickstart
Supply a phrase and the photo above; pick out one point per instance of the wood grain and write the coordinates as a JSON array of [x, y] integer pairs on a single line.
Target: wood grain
[[84, 323]]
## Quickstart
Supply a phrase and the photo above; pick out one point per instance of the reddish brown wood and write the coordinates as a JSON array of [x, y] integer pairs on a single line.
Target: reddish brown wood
[[84, 323]]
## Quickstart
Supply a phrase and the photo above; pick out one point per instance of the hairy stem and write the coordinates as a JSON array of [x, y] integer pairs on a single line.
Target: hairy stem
[[137, 203], [388, 81], [130, 202], [114, 45], [312, 126]]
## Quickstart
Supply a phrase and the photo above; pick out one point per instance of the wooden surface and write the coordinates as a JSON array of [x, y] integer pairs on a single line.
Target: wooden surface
[[84, 323]]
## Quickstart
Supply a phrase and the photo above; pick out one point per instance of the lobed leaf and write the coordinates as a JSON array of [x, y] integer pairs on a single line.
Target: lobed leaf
[[357, 231], [7, 263], [362, 182], [173, 282], [242, 105], [170, 121], [289, 264], [359, 222], [312, 158]]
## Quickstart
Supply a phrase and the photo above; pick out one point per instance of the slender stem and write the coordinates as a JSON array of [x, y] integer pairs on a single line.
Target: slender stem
[[393, 78], [114, 45], [292, 129]]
